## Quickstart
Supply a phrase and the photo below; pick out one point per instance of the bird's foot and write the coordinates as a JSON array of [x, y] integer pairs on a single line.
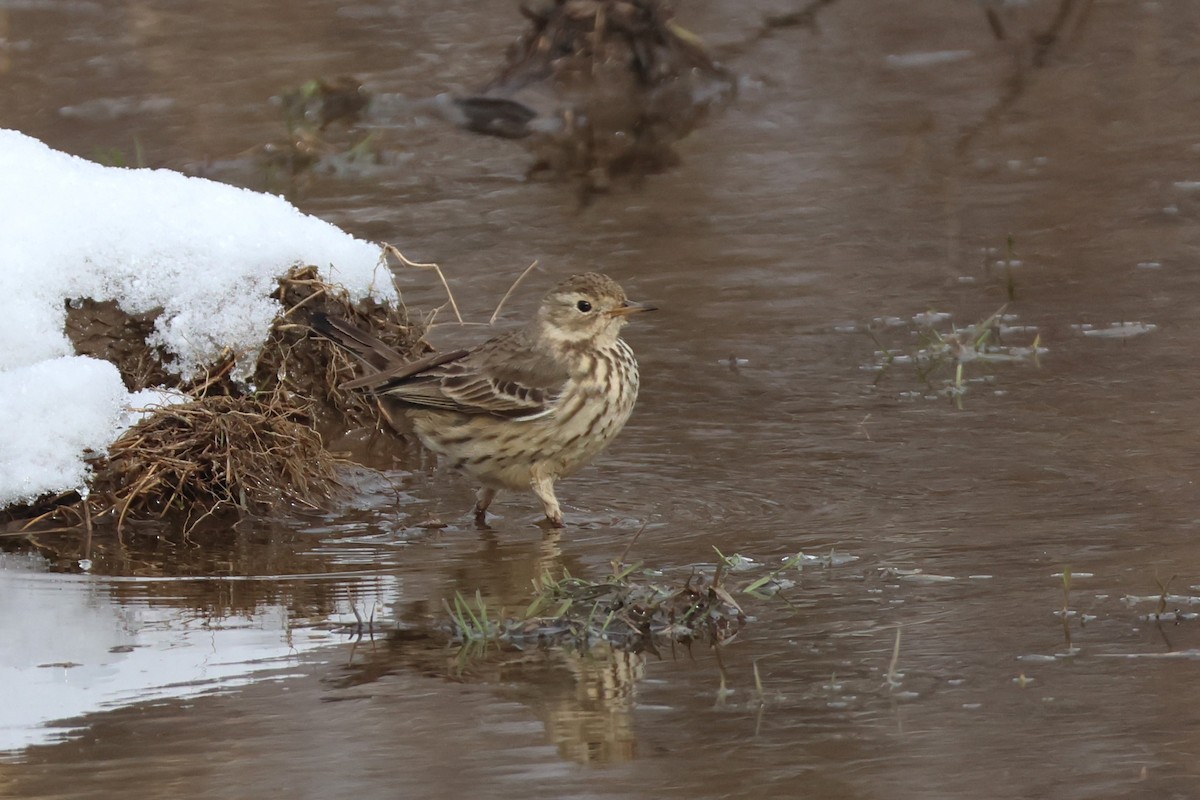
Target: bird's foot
[[483, 499], [543, 487], [552, 523]]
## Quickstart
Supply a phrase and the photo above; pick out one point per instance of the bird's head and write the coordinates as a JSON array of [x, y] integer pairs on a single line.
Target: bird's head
[[587, 308]]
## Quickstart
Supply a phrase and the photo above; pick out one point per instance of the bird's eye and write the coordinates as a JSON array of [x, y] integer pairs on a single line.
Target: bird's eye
[[584, 306]]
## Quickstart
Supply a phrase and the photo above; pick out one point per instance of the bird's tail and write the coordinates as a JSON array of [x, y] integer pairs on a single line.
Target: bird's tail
[[385, 365], [369, 349]]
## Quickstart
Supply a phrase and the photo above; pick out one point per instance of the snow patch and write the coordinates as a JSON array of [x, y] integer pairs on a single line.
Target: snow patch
[[51, 413], [206, 253]]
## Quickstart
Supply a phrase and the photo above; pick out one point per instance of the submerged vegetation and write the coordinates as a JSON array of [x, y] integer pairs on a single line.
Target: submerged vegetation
[[633, 608], [322, 117], [945, 357]]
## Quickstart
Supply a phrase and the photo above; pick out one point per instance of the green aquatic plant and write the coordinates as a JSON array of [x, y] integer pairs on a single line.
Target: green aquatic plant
[[632, 607], [116, 157], [945, 354]]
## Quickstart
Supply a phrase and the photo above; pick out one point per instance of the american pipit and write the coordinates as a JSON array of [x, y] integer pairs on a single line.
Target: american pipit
[[524, 408]]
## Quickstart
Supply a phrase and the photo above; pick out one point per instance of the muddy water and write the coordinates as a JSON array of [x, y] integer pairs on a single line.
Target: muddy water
[[888, 162]]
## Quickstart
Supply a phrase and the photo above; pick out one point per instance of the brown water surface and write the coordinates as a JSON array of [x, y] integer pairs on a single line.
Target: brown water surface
[[892, 160]]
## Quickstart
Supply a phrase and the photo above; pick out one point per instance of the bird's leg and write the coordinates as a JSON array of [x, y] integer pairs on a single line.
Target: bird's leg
[[483, 499], [543, 487]]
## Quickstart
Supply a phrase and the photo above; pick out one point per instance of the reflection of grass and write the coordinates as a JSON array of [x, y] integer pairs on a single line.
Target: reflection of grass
[[322, 118], [632, 608], [116, 157], [1066, 612], [1163, 586], [944, 351], [1163, 601], [472, 623]]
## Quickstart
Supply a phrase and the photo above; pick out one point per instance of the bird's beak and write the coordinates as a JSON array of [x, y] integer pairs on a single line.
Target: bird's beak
[[630, 308]]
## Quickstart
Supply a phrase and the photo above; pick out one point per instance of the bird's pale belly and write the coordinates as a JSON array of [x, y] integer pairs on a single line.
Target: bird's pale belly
[[505, 454]]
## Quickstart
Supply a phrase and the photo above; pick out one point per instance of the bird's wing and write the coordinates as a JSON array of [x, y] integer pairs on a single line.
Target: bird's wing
[[503, 376]]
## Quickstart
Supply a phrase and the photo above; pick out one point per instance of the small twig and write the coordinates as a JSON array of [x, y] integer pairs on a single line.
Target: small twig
[[892, 679], [87, 521], [458, 324], [309, 298], [508, 294], [1066, 587], [393, 251], [625, 552], [863, 424]]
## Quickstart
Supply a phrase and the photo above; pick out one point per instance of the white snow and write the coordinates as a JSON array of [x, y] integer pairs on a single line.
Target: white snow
[[207, 253], [50, 414]]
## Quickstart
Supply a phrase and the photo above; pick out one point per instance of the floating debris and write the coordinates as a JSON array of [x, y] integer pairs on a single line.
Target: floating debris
[[931, 318], [1116, 330], [920, 577], [734, 363], [1171, 655], [1164, 600], [928, 59]]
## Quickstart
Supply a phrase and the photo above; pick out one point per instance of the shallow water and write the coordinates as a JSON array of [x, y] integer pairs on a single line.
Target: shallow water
[[890, 162]]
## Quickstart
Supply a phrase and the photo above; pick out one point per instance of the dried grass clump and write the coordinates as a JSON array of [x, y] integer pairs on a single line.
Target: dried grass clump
[[235, 446], [298, 366], [215, 452]]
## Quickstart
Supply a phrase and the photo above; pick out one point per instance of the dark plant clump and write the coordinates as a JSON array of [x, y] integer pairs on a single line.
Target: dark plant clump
[[600, 88], [633, 609]]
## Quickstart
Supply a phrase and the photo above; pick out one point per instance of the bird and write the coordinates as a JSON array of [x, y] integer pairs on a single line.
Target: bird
[[524, 408]]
